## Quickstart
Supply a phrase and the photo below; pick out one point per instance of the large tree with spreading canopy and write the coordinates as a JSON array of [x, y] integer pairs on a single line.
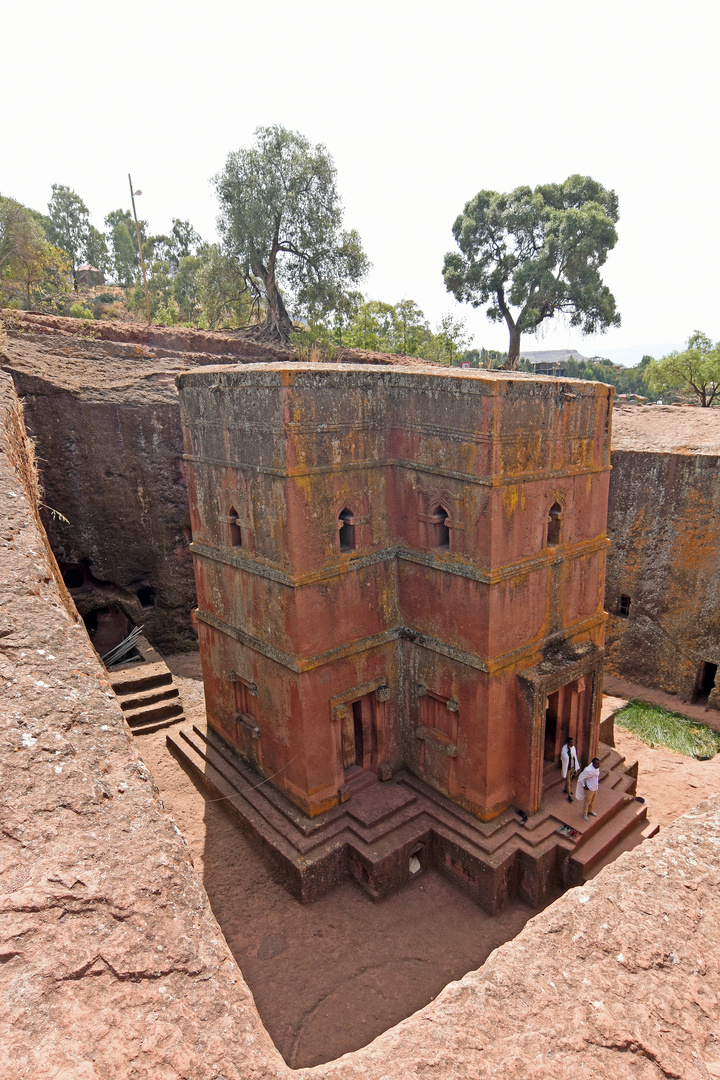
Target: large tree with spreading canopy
[[535, 253], [281, 222]]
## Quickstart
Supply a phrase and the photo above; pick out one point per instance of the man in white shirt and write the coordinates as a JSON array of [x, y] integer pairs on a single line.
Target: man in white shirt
[[569, 764], [587, 787]]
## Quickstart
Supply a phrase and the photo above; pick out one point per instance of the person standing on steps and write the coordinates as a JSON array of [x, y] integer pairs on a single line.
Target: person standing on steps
[[569, 764], [587, 787]]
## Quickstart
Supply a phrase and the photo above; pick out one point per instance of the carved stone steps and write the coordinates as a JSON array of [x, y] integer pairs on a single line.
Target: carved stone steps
[[605, 836], [384, 828], [147, 695]]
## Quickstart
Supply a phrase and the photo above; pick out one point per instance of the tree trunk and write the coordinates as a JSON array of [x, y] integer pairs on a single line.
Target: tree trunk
[[277, 325], [513, 350]]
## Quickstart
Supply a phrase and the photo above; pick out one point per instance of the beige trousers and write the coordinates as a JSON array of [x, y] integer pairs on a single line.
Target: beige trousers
[[589, 802]]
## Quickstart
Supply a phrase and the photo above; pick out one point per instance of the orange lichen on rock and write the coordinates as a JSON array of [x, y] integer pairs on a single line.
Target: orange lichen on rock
[[417, 592]]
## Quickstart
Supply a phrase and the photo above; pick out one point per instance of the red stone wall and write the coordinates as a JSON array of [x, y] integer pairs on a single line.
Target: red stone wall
[[289, 447]]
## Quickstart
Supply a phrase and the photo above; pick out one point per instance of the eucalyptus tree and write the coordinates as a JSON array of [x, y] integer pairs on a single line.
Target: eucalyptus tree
[[535, 253], [69, 224], [281, 223]]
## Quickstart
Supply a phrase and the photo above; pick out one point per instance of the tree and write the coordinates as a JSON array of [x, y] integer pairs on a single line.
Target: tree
[[532, 254], [280, 220], [449, 341], [411, 329], [222, 290], [43, 271], [185, 286], [124, 245], [29, 265], [17, 230], [69, 224], [371, 328], [696, 369], [185, 241], [96, 250]]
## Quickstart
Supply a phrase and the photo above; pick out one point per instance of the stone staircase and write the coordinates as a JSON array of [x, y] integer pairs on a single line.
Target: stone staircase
[[146, 692], [374, 834], [619, 811]]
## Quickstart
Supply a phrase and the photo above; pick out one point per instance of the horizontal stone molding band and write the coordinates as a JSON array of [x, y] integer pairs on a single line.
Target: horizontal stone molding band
[[395, 633], [451, 565], [507, 480]]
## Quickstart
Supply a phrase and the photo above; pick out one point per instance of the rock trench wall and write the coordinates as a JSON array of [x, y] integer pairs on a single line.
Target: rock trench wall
[[101, 403], [112, 965], [104, 413], [664, 559]]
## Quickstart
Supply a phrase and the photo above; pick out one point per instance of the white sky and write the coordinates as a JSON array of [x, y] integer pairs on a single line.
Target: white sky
[[421, 106]]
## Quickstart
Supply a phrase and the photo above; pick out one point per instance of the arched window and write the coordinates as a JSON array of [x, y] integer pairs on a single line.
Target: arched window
[[440, 528], [235, 530], [346, 526], [554, 523]]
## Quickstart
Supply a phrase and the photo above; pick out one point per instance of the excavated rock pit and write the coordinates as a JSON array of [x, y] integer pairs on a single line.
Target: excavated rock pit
[[113, 965]]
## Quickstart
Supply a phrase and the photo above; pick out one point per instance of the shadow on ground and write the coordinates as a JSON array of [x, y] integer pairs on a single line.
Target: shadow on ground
[[327, 977]]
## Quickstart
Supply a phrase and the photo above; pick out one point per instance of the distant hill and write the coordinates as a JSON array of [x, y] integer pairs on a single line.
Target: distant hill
[[555, 356]]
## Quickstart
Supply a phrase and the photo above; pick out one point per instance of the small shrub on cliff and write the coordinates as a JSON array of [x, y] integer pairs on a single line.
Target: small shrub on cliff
[[656, 726], [78, 311]]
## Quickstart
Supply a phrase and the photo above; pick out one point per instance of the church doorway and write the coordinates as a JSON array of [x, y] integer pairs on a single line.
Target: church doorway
[[359, 735], [567, 713]]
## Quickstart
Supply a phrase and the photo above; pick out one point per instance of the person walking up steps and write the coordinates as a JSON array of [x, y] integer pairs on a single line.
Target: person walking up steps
[[587, 787], [569, 764]]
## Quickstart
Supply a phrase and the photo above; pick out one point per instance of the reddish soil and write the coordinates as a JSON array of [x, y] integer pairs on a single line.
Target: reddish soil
[[327, 977]]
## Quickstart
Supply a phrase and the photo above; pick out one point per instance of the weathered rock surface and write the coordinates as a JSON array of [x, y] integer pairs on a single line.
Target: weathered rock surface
[[663, 524], [101, 403], [112, 965]]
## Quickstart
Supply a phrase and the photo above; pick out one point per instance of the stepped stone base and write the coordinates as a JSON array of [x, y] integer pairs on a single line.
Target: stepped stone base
[[388, 832]]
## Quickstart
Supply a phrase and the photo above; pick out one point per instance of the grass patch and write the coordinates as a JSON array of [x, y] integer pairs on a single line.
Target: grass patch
[[659, 727]]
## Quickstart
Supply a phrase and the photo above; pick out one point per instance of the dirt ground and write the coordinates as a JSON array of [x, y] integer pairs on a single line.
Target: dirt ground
[[329, 976]]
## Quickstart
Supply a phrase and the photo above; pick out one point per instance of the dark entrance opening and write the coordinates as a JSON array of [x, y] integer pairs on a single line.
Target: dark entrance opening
[[359, 736], [146, 596], [551, 721], [358, 732], [74, 576], [107, 627], [704, 682]]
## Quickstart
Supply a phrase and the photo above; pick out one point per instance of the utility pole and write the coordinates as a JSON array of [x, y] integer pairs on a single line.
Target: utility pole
[[142, 260]]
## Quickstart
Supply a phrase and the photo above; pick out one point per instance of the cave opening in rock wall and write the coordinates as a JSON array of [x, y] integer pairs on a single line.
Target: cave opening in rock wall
[[107, 626], [704, 682]]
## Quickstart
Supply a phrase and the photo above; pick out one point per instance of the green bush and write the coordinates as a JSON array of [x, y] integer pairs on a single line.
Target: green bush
[[659, 727], [169, 315], [79, 312]]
